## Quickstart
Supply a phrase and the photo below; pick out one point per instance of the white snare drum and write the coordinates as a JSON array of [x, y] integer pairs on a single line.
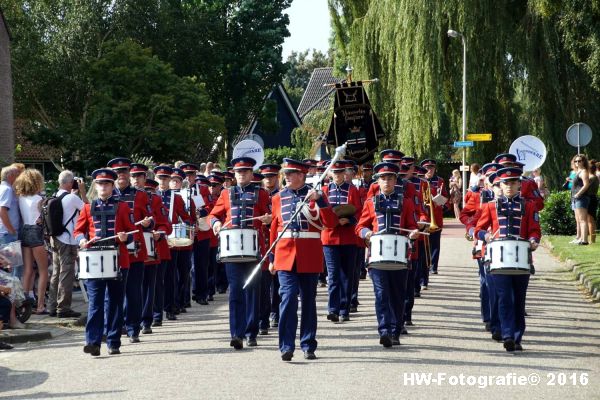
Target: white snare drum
[[182, 236], [238, 245], [150, 246], [99, 263], [388, 252], [508, 256], [202, 224]]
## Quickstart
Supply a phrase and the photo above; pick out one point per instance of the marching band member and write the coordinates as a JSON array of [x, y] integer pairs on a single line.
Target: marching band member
[[510, 215], [184, 253], [102, 218], [529, 189], [198, 186], [363, 188], [339, 243], [165, 297], [161, 249], [215, 271], [139, 206], [298, 257], [228, 180], [389, 285], [436, 186], [270, 300], [242, 201], [421, 185], [312, 167], [321, 167]]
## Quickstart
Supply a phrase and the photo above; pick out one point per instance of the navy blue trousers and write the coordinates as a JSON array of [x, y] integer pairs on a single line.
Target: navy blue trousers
[[484, 297], [212, 270], [182, 278], [201, 263], [409, 293], [171, 281], [360, 266], [148, 293], [292, 284], [275, 298], [434, 240], [389, 288], [512, 290], [133, 298], [243, 303], [493, 301], [99, 290], [341, 263], [159, 291], [265, 299], [421, 266]]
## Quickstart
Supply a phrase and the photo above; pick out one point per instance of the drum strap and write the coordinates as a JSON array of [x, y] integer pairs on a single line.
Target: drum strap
[[104, 215]]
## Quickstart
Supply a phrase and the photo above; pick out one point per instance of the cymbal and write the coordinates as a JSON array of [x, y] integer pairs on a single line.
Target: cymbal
[[344, 210]]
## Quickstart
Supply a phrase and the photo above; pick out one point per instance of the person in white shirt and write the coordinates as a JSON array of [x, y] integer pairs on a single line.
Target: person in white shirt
[[64, 247], [28, 187]]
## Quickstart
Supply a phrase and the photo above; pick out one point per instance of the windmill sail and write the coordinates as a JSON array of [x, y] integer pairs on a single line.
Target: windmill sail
[[354, 122]]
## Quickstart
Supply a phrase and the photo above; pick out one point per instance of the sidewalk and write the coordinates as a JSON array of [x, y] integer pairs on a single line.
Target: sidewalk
[[43, 327]]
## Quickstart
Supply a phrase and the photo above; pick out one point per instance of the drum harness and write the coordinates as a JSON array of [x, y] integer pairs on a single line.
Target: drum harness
[[129, 198], [104, 214], [509, 220]]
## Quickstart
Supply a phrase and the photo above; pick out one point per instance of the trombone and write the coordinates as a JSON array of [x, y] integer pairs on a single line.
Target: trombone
[[433, 227]]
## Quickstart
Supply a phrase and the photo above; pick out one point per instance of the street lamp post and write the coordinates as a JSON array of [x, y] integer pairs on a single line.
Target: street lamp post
[[455, 34]]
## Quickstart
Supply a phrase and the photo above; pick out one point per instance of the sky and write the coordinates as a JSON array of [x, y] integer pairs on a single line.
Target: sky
[[309, 26]]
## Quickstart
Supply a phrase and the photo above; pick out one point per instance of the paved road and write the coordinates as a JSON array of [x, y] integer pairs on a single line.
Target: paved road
[[191, 359]]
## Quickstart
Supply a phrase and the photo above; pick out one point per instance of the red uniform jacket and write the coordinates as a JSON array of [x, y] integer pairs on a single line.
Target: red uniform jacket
[[141, 209], [343, 235], [305, 253], [222, 212], [85, 228], [472, 205], [529, 226], [161, 223]]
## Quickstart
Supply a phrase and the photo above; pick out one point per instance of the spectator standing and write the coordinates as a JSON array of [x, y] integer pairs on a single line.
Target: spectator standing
[[64, 247], [568, 185], [456, 189], [28, 187], [581, 199], [539, 180], [475, 176], [10, 218], [593, 207]]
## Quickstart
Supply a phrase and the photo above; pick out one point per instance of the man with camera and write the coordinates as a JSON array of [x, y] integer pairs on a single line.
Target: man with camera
[[64, 247]]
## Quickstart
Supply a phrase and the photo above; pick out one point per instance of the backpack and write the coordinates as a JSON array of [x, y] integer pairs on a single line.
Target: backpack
[[52, 216]]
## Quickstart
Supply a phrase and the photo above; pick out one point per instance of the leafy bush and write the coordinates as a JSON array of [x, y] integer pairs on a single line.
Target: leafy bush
[[275, 156], [557, 218]]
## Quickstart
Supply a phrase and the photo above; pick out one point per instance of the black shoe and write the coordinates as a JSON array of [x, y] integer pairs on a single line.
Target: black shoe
[[177, 311], [403, 331], [309, 355], [518, 347], [333, 317], [202, 302], [103, 338], [263, 332], [363, 275], [123, 331], [112, 351], [187, 305], [354, 309], [532, 269], [345, 318], [237, 343], [396, 341], [52, 314], [287, 355], [92, 349], [434, 272], [182, 310], [408, 322], [211, 297], [488, 327], [417, 294], [497, 336], [509, 345], [193, 297], [527, 315], [171, 317], [134, 339], [274, 323], [146, 330], [321, 284], [5, 346], [68, 314], [156, 323], [222, 291], [386, 341], [251, 342]]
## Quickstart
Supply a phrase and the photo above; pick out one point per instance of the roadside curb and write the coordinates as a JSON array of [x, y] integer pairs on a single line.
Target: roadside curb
[[584, 279], [24, 336]]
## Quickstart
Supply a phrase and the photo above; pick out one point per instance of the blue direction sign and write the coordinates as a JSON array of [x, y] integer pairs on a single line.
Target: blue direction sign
[[464, 143]]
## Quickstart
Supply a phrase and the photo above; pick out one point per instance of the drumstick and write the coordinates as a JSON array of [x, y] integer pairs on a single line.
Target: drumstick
[[113, 237], [139, 222], [411, 230]]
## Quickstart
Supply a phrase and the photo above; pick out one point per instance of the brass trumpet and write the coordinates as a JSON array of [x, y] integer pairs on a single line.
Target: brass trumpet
[[428, 201]]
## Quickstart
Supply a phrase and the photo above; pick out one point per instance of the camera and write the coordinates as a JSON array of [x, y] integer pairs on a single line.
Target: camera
[[76, 183]]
